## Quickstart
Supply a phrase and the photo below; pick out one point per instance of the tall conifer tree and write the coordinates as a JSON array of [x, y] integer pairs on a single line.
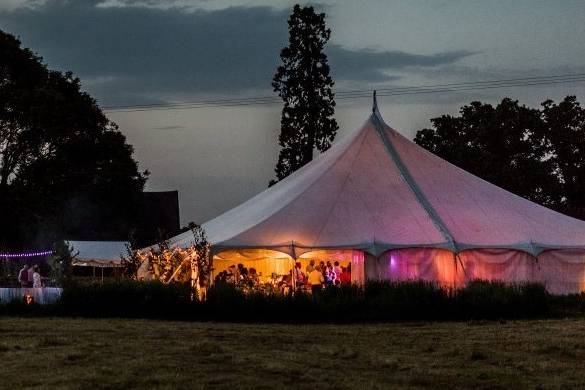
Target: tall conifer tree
[[304, 84]]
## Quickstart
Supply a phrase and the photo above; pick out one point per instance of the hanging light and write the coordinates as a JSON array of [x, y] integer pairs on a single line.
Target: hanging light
[[25, 254]]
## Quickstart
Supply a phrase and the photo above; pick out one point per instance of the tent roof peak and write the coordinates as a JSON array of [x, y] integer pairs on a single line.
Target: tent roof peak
[[376, 115]]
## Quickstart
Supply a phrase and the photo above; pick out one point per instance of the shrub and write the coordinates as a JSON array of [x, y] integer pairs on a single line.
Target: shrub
[[409, 300], [491, 300], [374, 301], [127, 298]]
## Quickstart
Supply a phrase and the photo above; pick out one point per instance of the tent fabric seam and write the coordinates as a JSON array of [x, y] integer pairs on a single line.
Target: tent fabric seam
[[409, 180]]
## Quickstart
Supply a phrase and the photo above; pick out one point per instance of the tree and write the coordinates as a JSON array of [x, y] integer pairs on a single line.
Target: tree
[[565, 139], [64, 167], [537, 154], [304, 84], [60, 261], [132, 260], [176, 264]]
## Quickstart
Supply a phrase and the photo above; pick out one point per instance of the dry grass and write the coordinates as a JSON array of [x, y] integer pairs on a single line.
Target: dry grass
[[85, 353]]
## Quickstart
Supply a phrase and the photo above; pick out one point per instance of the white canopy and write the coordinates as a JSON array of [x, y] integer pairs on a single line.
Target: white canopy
[[98, 253], [374, 191]]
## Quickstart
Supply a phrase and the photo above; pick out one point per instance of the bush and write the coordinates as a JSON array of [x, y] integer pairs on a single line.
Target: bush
[[492, 300], [382, 301], [412, 300], [374, 301], [127, 298]]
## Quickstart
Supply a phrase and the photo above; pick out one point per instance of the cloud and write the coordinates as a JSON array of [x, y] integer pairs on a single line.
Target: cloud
[[129, 55], [11, 5], [369, 65]]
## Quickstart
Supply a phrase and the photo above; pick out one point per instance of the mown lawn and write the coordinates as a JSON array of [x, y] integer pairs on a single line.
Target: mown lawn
[[105, 353]]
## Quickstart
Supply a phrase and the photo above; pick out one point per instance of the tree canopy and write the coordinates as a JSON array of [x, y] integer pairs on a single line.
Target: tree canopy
[[64, 167], [304, 84], [538, 154]]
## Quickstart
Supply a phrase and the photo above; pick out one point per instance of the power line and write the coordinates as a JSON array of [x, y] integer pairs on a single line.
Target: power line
[[456, 87], [359, 94]]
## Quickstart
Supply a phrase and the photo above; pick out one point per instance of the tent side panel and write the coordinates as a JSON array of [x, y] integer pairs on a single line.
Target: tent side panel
[[428, 264], [562, 271], [504, 265], [372, 267], [358, 275]]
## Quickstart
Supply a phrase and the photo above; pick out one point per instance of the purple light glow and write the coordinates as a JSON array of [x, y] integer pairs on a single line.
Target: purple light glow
[[25, 254], [392, 262]]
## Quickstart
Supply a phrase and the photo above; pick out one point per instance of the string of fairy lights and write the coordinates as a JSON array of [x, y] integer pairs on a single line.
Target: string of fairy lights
[[25, 254]]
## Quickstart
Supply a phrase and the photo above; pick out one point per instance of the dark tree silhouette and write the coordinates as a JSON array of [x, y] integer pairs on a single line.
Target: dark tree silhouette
[[304, 84], [537, 154], [64, 167], [565, 141]]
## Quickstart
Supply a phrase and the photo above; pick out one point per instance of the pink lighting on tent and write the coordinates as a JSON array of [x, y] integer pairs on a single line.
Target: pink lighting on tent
[[404, 213], [392, 263]]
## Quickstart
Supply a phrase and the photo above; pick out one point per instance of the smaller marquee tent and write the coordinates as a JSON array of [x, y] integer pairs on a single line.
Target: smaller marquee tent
[[98, 253]]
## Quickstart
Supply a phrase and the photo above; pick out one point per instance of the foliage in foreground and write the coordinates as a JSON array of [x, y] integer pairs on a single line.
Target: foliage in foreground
[[376, 301]]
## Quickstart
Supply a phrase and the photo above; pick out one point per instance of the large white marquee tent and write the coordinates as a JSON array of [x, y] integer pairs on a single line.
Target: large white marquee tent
[[396, 211]]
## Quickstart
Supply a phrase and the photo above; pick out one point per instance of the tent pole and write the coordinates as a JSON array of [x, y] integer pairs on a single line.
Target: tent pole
[[455, 274], [535, 268], [458, 259], [292, 275]]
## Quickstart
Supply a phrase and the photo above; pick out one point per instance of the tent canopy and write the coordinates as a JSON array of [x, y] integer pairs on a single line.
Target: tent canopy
[[98, 253], [374, 191]]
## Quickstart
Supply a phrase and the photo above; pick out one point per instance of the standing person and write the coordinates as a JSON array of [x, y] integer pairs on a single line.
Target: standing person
[[310, 267], [23, 276], [31, 272], [244, 275], [322, 268], [231, 276], [253, 276], [239, 275], [337, 269], [36, 277], [298, 275], [330, 274], [316, 280], [345, 277]]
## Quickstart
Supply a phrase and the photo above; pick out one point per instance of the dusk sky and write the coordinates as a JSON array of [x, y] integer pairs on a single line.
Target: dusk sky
[[153, 51]]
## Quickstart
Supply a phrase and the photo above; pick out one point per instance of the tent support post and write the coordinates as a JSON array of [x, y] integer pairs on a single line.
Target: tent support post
[[455, 274], [458, 259], [536, 268]]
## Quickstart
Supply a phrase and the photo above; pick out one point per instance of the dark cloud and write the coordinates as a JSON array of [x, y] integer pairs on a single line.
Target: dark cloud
[[137, 53], [369, 65]]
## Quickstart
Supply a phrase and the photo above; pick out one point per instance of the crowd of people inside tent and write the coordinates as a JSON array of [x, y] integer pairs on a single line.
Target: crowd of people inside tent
[[312, 279]]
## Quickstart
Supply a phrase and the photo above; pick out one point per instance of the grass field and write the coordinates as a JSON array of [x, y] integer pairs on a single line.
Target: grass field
[[89, 353]]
